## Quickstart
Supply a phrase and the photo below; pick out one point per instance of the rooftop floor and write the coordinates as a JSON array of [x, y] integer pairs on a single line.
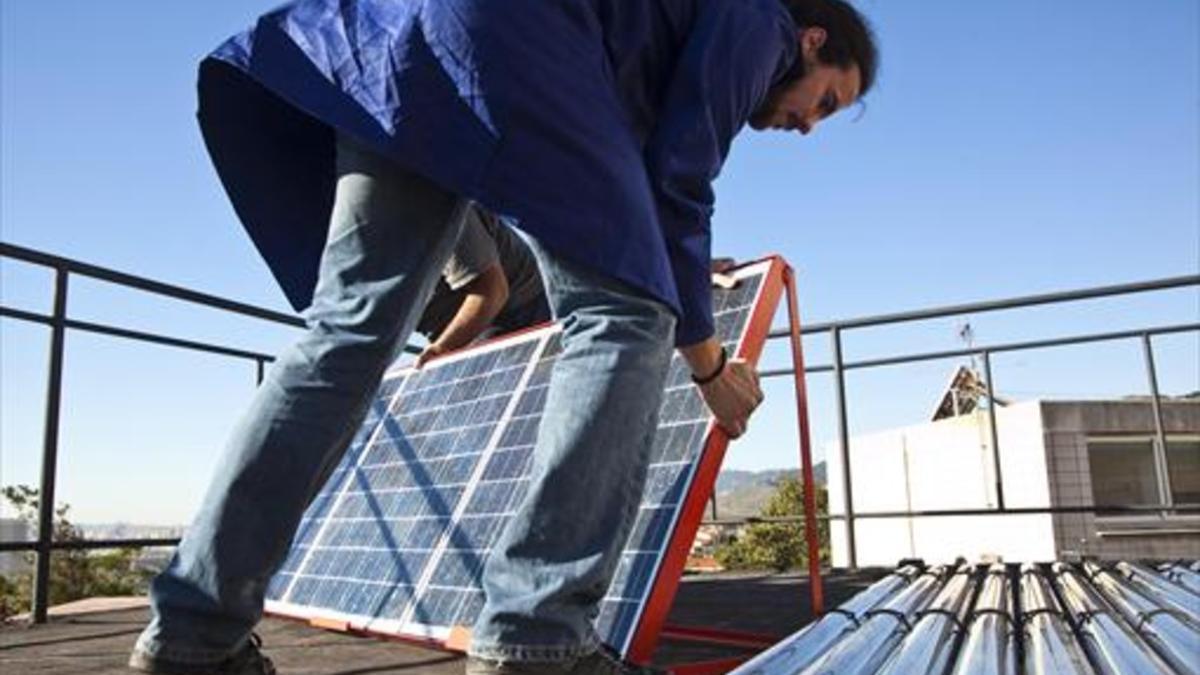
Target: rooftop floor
[[98, 642]]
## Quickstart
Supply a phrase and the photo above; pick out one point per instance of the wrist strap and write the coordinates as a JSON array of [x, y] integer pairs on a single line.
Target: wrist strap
[[716, 372]]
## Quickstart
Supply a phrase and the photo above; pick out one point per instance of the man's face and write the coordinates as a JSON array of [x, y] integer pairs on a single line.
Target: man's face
[[821, 91]]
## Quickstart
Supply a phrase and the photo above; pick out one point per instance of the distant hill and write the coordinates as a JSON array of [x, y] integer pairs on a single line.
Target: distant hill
[[130, 531], [734, 479], [741, 494]]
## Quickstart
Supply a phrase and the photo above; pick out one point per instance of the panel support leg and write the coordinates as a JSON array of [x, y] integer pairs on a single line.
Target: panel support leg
[[811, 534]]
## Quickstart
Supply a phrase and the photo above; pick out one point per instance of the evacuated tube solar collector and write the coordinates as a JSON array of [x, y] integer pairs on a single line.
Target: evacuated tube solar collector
[[807, 645], [931, 645], [990, 647], [1163, 592], [1168, 634], [1113, 647], [1050, 646], [866, 649]]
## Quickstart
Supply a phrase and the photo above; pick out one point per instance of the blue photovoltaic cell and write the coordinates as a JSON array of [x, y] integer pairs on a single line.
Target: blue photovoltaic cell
[[369, 535], [316, 514], [399, 534]]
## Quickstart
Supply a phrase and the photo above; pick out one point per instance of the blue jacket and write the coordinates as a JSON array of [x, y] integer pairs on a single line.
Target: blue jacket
[[598, 126]]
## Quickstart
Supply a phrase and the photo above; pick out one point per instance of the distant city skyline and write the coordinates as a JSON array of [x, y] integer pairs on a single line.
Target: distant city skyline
[[1011, 148]]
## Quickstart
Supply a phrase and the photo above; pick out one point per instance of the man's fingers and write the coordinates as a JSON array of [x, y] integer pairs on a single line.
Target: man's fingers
[[735, 427], [734, 397], [429, 353], [722, 265], [750, 380]]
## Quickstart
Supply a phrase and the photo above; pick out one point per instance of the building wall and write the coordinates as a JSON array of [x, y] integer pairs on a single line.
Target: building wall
[[1068, 426], [940, 466]]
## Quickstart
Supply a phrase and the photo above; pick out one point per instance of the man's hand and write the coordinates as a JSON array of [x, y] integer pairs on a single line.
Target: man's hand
[[485, 297], [429, 353], [720, 269], [722, 265], [733, 394]]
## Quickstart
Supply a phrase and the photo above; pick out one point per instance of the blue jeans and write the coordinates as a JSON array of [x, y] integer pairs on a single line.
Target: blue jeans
[[390, 234], [546, 575]]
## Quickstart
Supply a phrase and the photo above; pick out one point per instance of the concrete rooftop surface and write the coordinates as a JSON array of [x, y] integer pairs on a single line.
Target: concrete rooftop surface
[[98, 642]]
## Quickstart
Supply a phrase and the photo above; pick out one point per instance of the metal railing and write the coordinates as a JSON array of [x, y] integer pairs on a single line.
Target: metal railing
[[59, 322], [839, 366]]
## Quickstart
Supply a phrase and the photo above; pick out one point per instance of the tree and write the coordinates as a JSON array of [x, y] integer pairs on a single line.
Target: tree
[[777, 546], [74, 573]]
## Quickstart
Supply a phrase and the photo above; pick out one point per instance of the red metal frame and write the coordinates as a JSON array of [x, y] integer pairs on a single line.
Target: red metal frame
[[662, 594], [715, 667], [719, 636], [816, 585], [779, 278], [502, 337], [344, 627]]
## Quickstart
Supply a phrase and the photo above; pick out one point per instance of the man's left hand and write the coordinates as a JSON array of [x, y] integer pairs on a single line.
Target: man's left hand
[[429, 353]]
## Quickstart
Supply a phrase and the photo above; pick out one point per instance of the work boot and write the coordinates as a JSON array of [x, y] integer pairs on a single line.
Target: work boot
[[603, 661], [248, 661]]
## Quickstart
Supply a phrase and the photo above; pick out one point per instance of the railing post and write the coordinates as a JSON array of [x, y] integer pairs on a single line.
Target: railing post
[[41, 579], [1160, 450], [839, 386], [258, 372], [991, 412]]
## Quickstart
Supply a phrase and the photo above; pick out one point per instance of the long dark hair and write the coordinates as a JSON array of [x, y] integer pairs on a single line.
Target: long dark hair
[[849, 38]]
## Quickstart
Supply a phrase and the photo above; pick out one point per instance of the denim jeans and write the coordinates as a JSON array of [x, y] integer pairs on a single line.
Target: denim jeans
[[546, 575], [390, 234]]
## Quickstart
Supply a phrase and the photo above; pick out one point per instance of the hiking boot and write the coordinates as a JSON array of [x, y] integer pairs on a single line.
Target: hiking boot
[[603, 661], [248, 661]]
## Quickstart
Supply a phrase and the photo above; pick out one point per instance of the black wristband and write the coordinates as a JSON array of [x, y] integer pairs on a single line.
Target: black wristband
[[715, 373]]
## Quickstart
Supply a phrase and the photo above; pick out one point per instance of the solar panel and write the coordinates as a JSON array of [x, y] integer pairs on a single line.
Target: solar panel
[[395, 541]]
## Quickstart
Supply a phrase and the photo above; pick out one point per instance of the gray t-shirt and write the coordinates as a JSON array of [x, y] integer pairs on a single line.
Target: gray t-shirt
[[485, 241]]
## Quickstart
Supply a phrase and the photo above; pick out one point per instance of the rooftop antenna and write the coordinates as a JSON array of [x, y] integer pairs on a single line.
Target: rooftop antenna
[[967, 390], [966, 335]]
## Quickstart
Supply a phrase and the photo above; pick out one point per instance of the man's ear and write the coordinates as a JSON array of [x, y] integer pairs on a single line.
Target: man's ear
[[811, 41]]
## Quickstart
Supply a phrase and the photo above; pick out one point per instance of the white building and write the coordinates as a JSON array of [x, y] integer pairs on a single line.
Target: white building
[[1052, 453]]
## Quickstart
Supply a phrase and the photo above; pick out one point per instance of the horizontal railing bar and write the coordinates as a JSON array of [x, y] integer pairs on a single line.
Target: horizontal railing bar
[[179, 292], [113, 331], [156, 338], [1131, 509], [6, 546], [22, 315], [1004, 347], [781, 372], [149, 285], [1022, 346], [120, 278], [1006, 303], [1010, 511]]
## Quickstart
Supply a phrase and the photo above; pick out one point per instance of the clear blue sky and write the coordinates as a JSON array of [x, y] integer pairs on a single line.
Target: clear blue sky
[[1010, 148]]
